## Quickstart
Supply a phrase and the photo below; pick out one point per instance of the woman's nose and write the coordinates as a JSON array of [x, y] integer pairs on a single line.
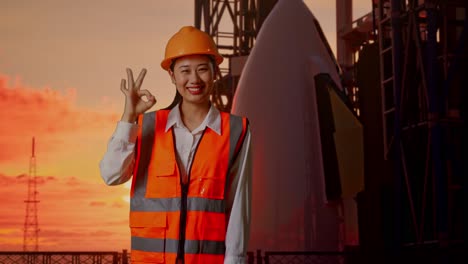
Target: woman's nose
[[194, 77]]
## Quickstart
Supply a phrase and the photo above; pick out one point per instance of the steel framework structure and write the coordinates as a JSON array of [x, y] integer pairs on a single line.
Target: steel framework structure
[[234, 25], [31, 226], [422, 56], [242, 16]]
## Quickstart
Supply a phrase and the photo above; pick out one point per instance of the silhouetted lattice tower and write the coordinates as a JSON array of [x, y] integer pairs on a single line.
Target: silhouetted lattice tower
[[31, 226]]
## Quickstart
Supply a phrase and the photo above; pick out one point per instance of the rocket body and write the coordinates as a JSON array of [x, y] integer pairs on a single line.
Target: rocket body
[[296, 204]]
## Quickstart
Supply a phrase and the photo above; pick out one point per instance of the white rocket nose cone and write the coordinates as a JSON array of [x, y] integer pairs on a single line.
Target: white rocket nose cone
[[275, 93]]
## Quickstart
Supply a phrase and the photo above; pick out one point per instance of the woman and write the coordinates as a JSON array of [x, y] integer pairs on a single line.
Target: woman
[[191, 190]]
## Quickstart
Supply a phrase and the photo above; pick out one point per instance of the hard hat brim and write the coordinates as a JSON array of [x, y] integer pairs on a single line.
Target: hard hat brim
[[166, 63]]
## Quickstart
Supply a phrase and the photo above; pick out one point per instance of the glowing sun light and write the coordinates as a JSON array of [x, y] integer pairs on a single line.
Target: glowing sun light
[[126, 197]]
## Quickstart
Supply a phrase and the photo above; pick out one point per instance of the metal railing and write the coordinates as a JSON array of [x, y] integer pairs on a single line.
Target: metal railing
[[42, 257], [299, 257], [304, 257], [405, 256], [427, 256]]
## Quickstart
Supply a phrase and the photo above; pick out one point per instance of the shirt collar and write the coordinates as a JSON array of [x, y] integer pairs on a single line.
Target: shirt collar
[[212, 120]]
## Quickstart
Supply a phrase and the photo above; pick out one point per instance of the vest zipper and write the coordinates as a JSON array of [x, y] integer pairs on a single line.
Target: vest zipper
[[183, 210]]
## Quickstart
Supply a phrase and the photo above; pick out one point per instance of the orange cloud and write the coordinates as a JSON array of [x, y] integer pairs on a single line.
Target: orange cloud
[[80, 216], [97, 204], [45, 113]]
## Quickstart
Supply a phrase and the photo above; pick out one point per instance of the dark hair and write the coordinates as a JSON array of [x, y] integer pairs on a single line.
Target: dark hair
[[175, 101]]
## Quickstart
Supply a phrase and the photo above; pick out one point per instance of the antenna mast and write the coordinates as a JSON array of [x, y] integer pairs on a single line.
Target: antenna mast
[[31, 226]]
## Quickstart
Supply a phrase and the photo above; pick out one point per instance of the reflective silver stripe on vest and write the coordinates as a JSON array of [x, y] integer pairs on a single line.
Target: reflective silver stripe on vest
[[173, 204], [170, 246], [146, 146], [204, 247], [236, 128], [236, 132], [152, 245]]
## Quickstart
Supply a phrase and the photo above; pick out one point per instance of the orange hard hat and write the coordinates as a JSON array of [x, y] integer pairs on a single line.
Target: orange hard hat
[[190, 41]]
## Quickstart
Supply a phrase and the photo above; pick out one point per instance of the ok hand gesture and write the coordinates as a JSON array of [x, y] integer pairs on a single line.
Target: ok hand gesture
[[134, 103]]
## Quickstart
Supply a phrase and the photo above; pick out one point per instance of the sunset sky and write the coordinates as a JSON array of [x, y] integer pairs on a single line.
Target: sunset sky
[[60, 68]]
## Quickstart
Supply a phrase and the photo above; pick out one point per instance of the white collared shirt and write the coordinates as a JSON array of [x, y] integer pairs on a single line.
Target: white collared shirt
[[117, 167], [186, 141]]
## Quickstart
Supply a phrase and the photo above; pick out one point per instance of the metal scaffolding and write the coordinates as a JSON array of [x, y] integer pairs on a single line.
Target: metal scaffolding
[[234, 25], [421, 45]]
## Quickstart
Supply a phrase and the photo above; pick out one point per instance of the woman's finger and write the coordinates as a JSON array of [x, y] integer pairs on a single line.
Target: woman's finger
[[122, 86], [150, 102], [130, 79], [150, 98], [145, 93], [140, 78]]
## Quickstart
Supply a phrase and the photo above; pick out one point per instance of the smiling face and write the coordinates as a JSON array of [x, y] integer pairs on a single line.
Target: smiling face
[[193, 76]]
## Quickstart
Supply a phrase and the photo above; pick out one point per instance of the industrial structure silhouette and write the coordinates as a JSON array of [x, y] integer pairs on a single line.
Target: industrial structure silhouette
[[31, 225]]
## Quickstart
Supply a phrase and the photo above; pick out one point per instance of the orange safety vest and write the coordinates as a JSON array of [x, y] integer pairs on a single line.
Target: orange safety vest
[[169, 219]]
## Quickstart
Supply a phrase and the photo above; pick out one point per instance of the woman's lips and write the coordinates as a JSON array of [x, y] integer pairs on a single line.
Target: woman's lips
[[195, 90]]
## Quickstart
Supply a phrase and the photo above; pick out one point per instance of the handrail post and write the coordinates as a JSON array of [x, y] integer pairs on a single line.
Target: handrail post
[[259, 257], [124, 257]]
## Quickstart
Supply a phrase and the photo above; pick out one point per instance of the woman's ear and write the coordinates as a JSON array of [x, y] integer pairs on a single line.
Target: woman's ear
[[171, 74]]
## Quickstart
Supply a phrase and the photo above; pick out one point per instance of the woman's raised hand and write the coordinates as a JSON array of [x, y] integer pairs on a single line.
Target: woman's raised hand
[[134, 102]]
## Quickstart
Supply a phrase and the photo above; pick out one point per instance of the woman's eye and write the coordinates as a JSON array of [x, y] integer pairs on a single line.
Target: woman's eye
[[184, 71], [203, 69]]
